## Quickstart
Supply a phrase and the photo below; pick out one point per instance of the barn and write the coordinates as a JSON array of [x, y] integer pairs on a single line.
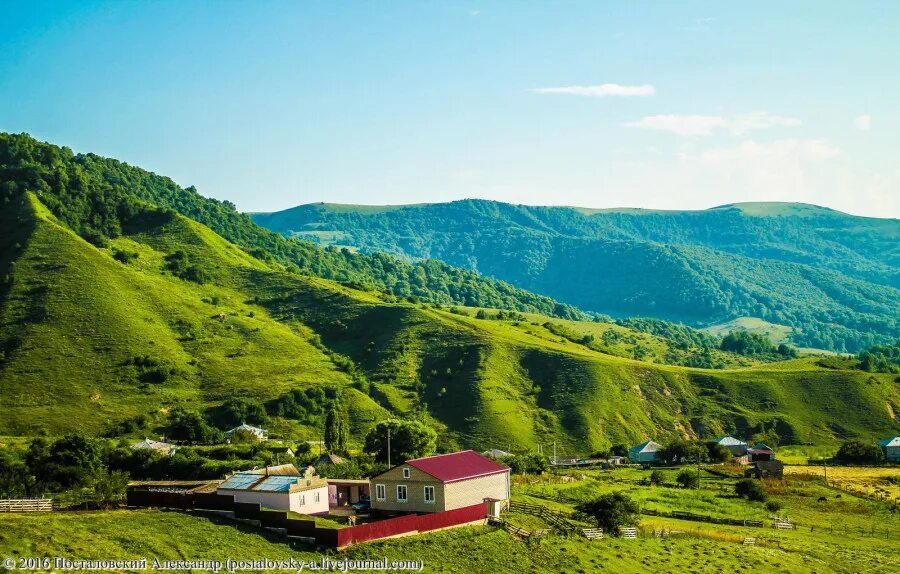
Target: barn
[[646, 452], [440, 482], [891, 448], [737, 447]]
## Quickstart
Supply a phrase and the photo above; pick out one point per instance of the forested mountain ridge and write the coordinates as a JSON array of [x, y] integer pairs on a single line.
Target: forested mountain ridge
[[116, 312], [832, 277], [98, 197]]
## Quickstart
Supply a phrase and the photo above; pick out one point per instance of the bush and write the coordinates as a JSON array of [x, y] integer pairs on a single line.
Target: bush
[[530, 463], [750, 489], [773, 506], [656, 478], [857, 452], [612, 512], [687, 479]]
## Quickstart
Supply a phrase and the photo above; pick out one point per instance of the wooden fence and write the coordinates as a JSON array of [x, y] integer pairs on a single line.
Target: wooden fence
[[682, 515], [26, 505]]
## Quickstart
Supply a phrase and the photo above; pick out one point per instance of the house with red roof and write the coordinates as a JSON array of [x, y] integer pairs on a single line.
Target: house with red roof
[[440, 482]]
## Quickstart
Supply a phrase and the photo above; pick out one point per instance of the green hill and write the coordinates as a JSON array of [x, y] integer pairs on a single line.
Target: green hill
[[164, 312], [831, 279]]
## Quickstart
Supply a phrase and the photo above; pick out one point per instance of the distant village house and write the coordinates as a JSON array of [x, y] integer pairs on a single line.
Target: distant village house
[[891, 448], [645, 453], [161, 447]]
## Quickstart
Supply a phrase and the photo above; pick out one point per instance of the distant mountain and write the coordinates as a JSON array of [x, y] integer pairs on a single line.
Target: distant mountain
[[833, 278]]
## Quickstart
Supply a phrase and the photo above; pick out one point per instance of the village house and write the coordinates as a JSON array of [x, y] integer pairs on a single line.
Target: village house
[[259, 433], [496, 453], [305, 494], [645, 453], [150, 444], [736, 447], [891, 448], [765, 469], [440, 482]]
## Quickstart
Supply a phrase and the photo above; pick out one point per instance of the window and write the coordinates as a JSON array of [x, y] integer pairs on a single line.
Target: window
[[379, 492], [401, 493], [317, 497], [405, 473], [302, 500], [429, 494]]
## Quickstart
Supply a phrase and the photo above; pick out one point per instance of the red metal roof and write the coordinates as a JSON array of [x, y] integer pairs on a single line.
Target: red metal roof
[[457, 465]]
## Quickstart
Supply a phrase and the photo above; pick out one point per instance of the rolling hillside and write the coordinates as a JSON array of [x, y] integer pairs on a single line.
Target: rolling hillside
[[165, 312], [831, 279]]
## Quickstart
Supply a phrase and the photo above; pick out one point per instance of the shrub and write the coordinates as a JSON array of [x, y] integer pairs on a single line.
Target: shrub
[[857, 452], [773, 506], [612, 511], [687, 479], [656, 478], [750, 489]]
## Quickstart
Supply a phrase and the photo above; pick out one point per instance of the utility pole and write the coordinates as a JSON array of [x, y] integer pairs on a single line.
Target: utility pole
[[825, 467], [389, 445], [554, 452]]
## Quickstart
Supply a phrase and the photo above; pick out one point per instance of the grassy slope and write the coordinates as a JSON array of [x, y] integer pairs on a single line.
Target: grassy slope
[[80, 316]]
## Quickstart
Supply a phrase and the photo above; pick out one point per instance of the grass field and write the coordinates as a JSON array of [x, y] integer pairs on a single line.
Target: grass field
[[841, 534], [884, 481]]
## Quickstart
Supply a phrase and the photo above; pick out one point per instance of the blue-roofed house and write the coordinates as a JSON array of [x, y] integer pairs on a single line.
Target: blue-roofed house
[[891, 448], [304, 494], [646, 452]]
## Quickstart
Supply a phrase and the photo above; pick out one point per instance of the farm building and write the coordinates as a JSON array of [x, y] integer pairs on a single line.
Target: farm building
[[150, 444], [342, 492], [891, 448], [306, 494], [646, 452], [496, 453], [760, 452], [328, 458], [737, 447], [440, 482], [765, 469], [259, 433]]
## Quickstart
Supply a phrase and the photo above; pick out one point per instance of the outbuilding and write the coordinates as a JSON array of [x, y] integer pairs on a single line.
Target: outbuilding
[[260, 434], [645, 453], [735, 446], [440, 482], [891, 448], [306, 494]]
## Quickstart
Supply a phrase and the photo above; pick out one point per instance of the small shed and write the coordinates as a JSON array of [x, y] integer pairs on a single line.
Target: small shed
[[891, 448], [765, 469], [646, 452]]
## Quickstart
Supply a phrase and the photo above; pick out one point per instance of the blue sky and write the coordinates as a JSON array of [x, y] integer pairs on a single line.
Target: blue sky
[[660, 105]]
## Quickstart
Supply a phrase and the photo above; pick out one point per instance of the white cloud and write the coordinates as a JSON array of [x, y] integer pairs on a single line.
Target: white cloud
[[600, 90], [791, 151], [863, 122], [693, 125]]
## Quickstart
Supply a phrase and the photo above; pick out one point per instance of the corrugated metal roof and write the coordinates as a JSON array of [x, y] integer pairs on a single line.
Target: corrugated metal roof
[[730, 441], [890, 442], [457, 465], [280, 470]]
